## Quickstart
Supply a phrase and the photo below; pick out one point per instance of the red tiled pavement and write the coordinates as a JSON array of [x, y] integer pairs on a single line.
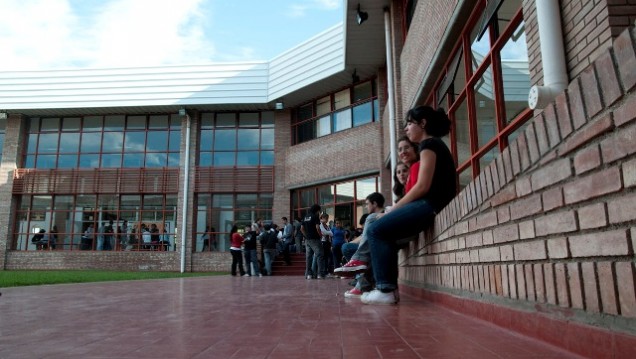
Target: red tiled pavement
[[275, 317]]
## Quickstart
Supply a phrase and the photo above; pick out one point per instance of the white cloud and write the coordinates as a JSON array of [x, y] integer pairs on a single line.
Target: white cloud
[[44, 34]]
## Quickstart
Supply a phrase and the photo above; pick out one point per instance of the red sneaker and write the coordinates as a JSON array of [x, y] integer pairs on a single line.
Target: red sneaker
[[353, 265], [353, 293]]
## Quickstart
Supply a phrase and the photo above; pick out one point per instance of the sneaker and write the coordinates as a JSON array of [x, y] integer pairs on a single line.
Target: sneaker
[[308, 277], [320, 277], [330, 276], [378, 297], [246, 275], [353, 265], [260, 275], [353, 293]]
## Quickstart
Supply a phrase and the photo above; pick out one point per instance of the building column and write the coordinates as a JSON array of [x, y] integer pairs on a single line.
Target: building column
[[14, 145], [187, 226], [282, 142]]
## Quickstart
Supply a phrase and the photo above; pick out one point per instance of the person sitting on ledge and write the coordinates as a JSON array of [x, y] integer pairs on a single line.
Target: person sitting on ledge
[[434, 189]]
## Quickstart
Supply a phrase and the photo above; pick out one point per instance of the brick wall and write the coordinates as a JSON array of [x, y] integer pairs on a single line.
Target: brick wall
[[342, 154], [549, 227]]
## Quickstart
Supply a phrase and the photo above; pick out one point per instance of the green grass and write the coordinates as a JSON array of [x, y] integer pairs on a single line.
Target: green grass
[[17, 278]]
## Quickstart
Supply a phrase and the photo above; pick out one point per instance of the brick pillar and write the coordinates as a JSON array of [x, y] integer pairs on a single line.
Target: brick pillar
[[14, 140], [282, 141]]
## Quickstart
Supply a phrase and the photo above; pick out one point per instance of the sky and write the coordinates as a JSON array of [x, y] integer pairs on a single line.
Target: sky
[[80, 34]]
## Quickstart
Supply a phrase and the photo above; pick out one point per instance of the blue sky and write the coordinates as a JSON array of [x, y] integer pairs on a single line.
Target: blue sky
[[68, 34]]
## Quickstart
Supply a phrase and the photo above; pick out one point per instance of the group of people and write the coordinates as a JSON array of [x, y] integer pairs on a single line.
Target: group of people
[[43, 240], [273, 240], [425, 184], [124, 237]]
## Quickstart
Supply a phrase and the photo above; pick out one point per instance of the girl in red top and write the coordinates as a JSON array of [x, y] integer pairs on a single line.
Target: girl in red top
[[236, 241]]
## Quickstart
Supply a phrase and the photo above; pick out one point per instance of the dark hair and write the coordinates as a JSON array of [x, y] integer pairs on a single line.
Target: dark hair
[[267, 227], [437, 122], [314, 209], [284, 218], [234, 229], [363, 218], [376, 197], [398, 188]]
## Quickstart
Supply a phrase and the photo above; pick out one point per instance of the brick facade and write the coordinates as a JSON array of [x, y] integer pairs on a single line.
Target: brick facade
[[551, 231]]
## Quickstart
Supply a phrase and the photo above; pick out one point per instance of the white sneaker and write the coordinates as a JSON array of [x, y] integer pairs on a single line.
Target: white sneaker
[[246, 275], [308, 277], [260, 275], [378, 297]]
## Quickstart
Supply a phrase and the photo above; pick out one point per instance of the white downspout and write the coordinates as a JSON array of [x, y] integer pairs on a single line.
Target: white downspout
[[555, 76], [391, 95], [186, 179]]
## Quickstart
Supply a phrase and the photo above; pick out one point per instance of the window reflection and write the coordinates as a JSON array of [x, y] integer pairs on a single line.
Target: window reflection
[[515, 73], [485, 106]]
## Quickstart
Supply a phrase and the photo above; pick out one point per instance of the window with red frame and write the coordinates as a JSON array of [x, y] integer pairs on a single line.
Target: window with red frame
[[484, 86]]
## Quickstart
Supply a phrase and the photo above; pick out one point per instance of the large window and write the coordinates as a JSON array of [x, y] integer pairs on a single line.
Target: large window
[[80, 220], [485, 86], [351, 107], [117, 141], [341, 200], [217, 213], [237, 139]]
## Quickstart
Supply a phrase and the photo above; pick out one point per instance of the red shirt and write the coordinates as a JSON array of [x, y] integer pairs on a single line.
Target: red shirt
[[237, 240], [414, 170]]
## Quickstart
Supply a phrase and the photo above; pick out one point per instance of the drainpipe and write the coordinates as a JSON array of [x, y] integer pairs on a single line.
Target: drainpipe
[[391, 94], [186, 180], [555, 76]]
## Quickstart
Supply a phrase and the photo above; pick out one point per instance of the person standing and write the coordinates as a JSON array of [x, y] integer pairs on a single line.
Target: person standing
[[288, 238], [337, 242], [249, 252], [269, 240], [236, 241], [311, 231], [298, 235]]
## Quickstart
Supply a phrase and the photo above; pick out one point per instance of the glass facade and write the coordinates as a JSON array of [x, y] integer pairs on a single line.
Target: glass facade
[[116, 141], [351, 107], [341, 200], [485, 88], [236, 139], [79, 221], [3, 126]]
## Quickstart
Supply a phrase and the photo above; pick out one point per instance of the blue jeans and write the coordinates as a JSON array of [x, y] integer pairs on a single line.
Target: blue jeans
[[313, 246], [250, 257], [364, 253], [270, 254], [348, 250], [382, 235]]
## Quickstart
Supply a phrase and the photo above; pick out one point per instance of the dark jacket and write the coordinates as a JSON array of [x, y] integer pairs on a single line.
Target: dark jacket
[[269, 240]]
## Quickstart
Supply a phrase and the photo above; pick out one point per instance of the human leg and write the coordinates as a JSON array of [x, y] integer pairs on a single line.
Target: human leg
[[348, 250], [309, 260], [382, 235], [269, 258], [316, 247], [336, 253]]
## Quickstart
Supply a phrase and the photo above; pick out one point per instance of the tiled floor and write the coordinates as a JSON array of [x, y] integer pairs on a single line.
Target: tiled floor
[[235, 317]]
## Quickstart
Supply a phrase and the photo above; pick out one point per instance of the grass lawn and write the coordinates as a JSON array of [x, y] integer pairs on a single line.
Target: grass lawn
[[17, 278]]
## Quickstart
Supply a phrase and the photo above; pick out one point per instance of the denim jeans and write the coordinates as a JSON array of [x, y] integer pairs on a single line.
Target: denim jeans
[[383, 234], [364, 253], [250, 258], [348, 250], [314, 246], [270, 254]]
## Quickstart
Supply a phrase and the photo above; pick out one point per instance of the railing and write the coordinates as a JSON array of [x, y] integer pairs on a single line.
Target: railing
[[98, 180]]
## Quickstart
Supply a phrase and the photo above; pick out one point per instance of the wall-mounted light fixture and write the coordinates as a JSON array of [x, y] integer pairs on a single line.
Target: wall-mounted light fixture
[[182, 111], [279, 105], [354, 77], [3, 115], [361, 16]]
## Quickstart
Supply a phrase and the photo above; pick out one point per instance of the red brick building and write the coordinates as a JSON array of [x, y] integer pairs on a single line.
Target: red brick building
[[540, 237]]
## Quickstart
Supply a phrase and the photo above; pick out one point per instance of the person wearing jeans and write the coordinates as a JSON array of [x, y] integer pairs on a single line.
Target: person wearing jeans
[[434, 188], [311, 230], [269, 242]]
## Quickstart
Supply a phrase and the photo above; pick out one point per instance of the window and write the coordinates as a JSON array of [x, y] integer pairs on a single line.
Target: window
[[341, 200], [236, 139], [3, 126], [217, 213], [351, 107], [73, 215], [104, 141], [485, 89]]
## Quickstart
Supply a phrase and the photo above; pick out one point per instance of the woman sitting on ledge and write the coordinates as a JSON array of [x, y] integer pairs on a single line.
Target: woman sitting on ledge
[[434, 189]]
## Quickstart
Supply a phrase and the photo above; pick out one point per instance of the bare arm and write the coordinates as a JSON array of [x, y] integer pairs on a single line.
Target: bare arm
[[424, 179]]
